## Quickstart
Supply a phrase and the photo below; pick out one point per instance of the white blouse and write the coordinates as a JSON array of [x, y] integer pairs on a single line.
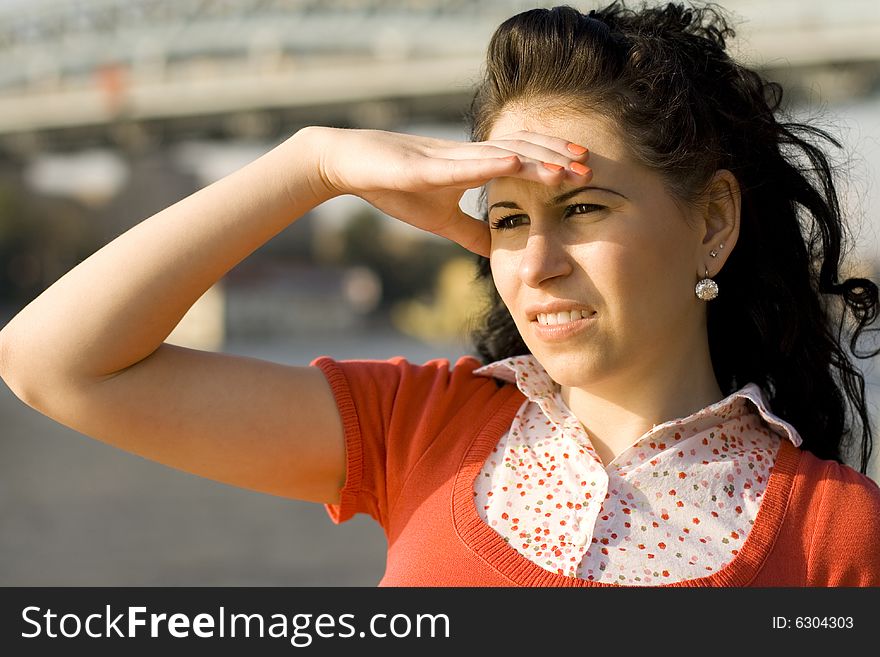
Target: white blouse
[[677, 504]]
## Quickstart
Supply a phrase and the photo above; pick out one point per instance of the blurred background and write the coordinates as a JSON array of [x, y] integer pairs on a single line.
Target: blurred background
[[111, 110]]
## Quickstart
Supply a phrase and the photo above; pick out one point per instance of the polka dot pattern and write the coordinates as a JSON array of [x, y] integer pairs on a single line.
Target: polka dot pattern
[[677, 504]]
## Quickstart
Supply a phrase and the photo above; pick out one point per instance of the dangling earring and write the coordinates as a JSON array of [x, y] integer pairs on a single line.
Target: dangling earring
[[707, 289]]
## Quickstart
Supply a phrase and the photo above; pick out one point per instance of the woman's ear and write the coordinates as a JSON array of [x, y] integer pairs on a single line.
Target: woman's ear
[[720, 222]]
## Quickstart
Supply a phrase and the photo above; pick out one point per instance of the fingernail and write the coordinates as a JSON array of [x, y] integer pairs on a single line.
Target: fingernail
[[512, 158], [555, 168], [576, 149], [579, 168]]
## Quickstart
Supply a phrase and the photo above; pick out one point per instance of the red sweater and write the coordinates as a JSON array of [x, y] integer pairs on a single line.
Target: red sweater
[[416, 436]]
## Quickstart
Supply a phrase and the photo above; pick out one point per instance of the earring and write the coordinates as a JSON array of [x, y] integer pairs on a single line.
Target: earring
[[713, 252], [706, 289]]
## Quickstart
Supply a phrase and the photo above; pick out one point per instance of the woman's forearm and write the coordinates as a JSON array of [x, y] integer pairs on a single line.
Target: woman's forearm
[[118, 306]]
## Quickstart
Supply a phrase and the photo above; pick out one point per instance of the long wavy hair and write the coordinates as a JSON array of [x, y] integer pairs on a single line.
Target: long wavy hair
[[661, 74]]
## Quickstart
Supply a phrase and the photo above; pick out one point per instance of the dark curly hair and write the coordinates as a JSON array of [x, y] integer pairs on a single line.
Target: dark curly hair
[[662, 75]]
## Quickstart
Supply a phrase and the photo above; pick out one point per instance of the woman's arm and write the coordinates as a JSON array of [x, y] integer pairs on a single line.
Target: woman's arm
[[89, 351]]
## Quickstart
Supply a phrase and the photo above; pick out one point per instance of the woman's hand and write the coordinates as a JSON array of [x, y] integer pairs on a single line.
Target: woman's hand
[[420, 180]]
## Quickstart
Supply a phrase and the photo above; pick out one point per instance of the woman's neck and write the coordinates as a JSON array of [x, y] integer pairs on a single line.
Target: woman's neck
[[616, 413]]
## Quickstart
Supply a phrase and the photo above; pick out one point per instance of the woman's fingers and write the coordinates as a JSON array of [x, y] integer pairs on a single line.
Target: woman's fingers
[[554, 174], [470, 173], [538, 146], [534, 144], [554, 152], [544, 158], [564, 147]]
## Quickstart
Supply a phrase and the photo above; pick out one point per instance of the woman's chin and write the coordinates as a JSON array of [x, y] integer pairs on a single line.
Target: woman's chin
[[568, 370]]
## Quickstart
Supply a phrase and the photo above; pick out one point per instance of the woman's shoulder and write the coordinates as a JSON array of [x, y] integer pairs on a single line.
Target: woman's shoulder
[[836, 479], [846, 487], [840, 511], [841, 500]]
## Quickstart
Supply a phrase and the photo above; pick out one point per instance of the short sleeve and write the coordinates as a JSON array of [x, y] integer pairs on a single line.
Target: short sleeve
[[391, 410], [845, 546]]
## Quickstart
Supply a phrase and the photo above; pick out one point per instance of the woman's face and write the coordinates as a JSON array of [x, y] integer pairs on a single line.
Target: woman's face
[[616, 248]]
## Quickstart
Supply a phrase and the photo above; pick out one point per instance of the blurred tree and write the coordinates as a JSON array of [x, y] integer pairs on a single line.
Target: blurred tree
[[407, 266], [41, 238], [458, 302]]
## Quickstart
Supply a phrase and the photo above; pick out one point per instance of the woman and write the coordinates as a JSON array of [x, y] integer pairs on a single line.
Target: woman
[[620, 430]]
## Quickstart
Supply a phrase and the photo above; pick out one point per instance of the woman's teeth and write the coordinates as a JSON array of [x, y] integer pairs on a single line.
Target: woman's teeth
[[548, 319]]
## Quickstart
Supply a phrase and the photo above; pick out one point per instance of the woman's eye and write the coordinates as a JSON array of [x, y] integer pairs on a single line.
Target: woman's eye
[[582, 208], [515, 220], [510, 221]]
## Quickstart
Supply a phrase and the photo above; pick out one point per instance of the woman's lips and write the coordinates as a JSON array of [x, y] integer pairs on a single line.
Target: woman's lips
[[560, 332]]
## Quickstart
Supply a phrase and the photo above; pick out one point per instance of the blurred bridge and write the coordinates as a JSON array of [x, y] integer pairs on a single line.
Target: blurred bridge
[[120, 70]]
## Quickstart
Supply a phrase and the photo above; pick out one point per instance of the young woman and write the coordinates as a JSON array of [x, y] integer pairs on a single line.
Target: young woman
[[661, 395]]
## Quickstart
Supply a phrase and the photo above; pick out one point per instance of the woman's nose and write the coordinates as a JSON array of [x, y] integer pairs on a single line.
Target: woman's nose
[[543, 258]]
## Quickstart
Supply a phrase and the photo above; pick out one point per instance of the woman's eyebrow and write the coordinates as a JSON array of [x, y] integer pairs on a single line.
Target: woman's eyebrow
[[562, 198]]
